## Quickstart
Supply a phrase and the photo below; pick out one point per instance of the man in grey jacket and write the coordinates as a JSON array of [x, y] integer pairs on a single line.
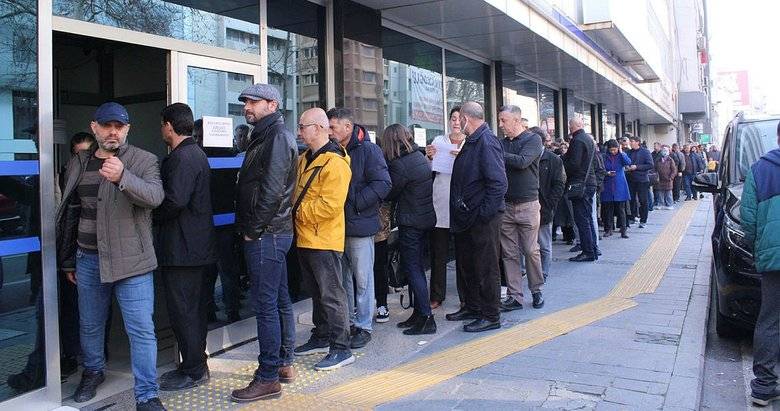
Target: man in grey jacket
[[104, 245]]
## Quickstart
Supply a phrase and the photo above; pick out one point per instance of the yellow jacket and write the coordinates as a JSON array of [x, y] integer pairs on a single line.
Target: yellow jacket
[[319, 221]]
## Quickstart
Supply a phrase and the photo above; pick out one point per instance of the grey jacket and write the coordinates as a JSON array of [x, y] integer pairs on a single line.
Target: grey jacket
[[124, 223]]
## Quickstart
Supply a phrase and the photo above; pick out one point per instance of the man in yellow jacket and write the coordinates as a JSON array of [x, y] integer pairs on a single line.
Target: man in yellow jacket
[[320, 193]]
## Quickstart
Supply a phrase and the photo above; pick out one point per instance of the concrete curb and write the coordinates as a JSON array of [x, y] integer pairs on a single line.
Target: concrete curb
[[687, 382]]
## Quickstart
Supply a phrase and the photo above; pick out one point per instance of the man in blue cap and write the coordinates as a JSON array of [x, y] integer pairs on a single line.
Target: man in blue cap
[[264, 219], [104, 246]]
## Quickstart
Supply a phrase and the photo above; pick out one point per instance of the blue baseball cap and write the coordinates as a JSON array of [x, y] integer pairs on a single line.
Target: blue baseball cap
[[111, 112]]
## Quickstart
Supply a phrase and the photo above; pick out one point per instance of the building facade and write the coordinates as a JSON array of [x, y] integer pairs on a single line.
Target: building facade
[[624, 69]]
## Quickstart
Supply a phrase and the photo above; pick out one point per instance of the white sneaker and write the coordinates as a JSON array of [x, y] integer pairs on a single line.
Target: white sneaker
[[382, 314]]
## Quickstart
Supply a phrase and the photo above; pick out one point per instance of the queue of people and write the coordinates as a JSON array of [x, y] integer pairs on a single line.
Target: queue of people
[[500, 204]]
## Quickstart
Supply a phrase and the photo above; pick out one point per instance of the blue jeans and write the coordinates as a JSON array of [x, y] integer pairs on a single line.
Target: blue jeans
[[688, 184], [135, 296], [663, 198], [583, 219], [411, 244], [266, 260], [357, 272], [545, 248]]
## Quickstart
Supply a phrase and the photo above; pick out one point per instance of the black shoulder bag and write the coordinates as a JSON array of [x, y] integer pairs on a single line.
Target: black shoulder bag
[[576, 190], [303, 193]]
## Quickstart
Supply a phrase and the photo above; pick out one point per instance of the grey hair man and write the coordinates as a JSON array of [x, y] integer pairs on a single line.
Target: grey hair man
[[520, 223], [578, 162]]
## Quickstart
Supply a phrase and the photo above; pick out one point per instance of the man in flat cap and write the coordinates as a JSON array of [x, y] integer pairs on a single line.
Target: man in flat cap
[[265, 186], [104, 245]]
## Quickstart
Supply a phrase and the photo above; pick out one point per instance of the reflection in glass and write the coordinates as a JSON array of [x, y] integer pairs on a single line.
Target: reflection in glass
[[21, 306], [547, 110], [219, 24], [465, 81]]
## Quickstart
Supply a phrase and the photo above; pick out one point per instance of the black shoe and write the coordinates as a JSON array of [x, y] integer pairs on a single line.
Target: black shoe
[[538, 300], [607, 234], [24, 382], [763, 400], [462, 314], [510, 304], [360, 339], [641, 225], [176, 381], [582, 257], [410, 322], [424, 325], [598, 253], [87, 388], [576, 249], [68, 366], [481, 325], [623, 234], [313, 346], [152, 404]]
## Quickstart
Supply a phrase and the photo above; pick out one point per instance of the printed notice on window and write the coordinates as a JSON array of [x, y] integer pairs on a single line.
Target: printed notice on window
[[217, 132], [420, 137]]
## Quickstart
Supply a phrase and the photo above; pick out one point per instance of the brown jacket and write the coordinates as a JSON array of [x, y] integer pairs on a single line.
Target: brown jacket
[[666, 170], [124, 223]]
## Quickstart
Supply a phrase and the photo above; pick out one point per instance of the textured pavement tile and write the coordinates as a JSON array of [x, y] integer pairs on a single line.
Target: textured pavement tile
[[680, 389], [633, 398]]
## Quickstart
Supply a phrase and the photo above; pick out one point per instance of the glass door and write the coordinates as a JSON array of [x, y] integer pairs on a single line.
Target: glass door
[[211, 88]]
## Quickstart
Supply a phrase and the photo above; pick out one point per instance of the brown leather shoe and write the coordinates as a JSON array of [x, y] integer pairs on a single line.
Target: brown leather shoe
[[257, 390], [287, 374]]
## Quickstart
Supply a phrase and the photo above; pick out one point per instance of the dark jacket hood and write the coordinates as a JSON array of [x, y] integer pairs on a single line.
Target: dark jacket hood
[[359, 135]]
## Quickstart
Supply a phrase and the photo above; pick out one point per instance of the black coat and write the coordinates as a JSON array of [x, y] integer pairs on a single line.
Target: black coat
[[552, 181], [579, 158], [267, 179], [186, 226], [369, 185], [412, 190]]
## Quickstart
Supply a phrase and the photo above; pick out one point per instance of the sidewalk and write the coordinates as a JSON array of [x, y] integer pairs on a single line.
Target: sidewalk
[[607, 338]]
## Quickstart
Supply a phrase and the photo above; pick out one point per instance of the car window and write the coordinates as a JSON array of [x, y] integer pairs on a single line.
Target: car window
[[754, 139]]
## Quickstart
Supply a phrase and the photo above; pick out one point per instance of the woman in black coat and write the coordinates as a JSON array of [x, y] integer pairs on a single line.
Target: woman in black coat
[[412, 196]]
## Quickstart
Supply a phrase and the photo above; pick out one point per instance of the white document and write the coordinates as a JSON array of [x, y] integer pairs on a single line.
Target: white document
[[443, 160], [420, 137], [217, 131]]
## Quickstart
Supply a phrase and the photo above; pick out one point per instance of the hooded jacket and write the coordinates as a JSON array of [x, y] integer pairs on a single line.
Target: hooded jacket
[[760, 211], [412, 189], [266, 180], [370, 184], [319, 220]]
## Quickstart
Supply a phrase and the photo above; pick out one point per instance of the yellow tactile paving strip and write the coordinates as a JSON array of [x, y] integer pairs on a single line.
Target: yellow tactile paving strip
[[386, 386]]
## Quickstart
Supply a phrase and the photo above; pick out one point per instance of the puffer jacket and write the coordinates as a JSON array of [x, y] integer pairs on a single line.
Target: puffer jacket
[[319, 221], [267, 179], [760, 211], [412, 190], [124, 215], [369, 185]]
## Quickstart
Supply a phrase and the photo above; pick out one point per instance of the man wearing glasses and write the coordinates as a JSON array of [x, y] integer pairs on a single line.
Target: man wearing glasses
[[263, 216]]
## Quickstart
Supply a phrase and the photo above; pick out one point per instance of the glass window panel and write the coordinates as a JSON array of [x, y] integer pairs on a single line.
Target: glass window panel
[[21, 305], [547, 110], [229, 24], [465, 80]]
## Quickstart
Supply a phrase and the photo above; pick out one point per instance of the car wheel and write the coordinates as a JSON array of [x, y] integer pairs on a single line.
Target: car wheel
[[724, 326]]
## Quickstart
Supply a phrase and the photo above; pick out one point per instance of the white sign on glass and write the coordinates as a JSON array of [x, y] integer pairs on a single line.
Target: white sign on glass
[[420, 137], [217, 131]]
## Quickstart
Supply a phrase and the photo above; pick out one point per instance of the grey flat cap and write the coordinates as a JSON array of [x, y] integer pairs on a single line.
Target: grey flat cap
[[260, 91]]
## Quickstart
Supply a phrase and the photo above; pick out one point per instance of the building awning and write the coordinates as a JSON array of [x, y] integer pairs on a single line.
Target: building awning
[[513, 32], [609, 36]]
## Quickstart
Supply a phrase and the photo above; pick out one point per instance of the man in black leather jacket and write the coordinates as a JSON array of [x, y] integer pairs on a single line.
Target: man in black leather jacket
[[263, 216]]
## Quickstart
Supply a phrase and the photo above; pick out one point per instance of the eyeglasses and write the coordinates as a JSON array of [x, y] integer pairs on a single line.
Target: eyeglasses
[[302, 126]]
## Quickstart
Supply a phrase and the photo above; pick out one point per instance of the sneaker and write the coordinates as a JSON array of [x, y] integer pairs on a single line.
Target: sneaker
[[424, 325], [87, 388], [382, 314], [510, 304], [641, 225], [152, 404], [313, 346], [335, 360], [764, 399], [360, 339]]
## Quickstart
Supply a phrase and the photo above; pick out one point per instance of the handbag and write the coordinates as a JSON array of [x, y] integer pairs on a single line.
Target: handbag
[[576, 190]]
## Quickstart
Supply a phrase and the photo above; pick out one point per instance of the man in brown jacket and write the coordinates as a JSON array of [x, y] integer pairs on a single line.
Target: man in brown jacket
[[104, 245]]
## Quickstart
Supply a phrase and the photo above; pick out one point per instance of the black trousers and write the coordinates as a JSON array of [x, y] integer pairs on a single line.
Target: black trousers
[[676, 187], [380, 273], [321, 270], [639, 200], [610, 209], [440, 247], [479, 249], [187, 297]]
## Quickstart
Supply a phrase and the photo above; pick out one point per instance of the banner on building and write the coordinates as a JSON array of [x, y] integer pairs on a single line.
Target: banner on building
[[426, 96]]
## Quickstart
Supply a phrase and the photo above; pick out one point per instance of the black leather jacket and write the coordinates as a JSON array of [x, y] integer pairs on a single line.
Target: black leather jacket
[[267, 179]]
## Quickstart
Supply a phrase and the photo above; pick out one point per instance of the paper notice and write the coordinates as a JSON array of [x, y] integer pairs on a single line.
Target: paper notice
[[444, 159], [217, 131], [420, 137]]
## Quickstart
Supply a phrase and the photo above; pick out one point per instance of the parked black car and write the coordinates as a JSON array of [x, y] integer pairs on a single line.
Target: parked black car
[[736, 285]]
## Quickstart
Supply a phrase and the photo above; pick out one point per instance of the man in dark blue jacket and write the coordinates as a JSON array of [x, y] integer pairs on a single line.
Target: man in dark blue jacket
[[476, 207], [638, 181], [186, 245], [370, 184]]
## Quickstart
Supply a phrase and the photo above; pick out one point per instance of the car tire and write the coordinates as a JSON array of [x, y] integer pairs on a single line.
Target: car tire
[[724, 326]]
